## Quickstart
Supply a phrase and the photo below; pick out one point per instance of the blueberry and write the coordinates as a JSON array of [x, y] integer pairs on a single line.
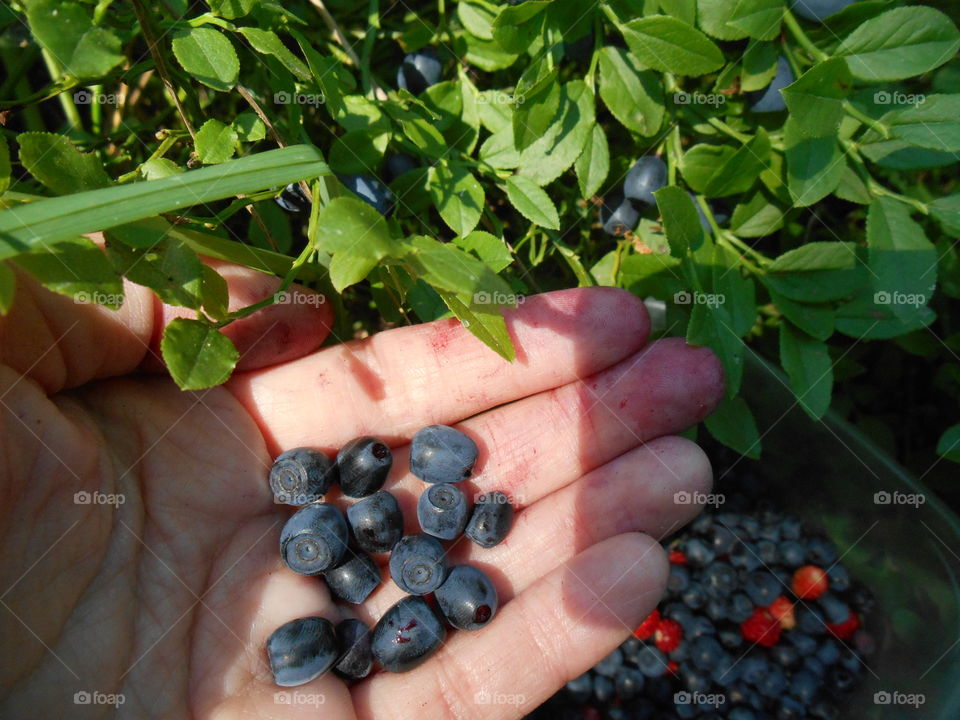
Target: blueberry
[[400, 163], [817, 10], [301, 650], [829, 652], [700, 626], [834, 609], [773, 683], [679, 578], [611, 664], [698, 552], [376, 522], [790, 709], [839, 578], [823, 710], [791, 528], [717, 609], [679, 612], [628, 682], [602, 688], [814, 665], [741, 608], [741, 713], [693, 680], [418, 564], [705, 651], [725, 670], [785, 655], [293, 199], [762, 587], [467, 598], [804, 686], [862, 598], [407, 634], [852, 662], [694, 596], [730, 637], [722, 540], [767, 551], [804, 644], [651, 661], [630, 647], [647, 175], [418, 71], [792, 554], [810, 620], [769, 100], [754, 669], [491, 519], [441, 454], [581, 687], [771, 532], [618, 215], [719, 579], [301, 475], [363, 464], [442, 511], [745, 556], [821, 551], [314, 539], [353, 641], [370, 190], [702, 524], [354, 579]]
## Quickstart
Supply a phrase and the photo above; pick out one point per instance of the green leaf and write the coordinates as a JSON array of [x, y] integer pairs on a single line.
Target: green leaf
[[487, 55], [215, 142], [681, 223], [948, 445], [513, 30], [808, 364], [216, 295], [67, 32], [852, 188], [477, 17], [758, 216], [197, 355], [349, 268], [169, 268], [759, 65], [55, 161], [593, 165], [8, 287], [710, 325], [425, 136], [670, 45], [267, 42], [486, 324], [864, 318], [818, 286], [491, 250], [713, 17], [5, 168], [356, 235], [815, 320], [249, 127], [76, 268], [946, 210], [732, 423], [446, 267], [718, 171], [532, 202], [545, 160], [934, 123], [900, 43], [458, 197], [52, 219], [232, 9], [536, 100], [207, 55], [815, 99], [738, 293], [829, 255], [159, 168], [759, 19], [633, 96], [359, 151], [814, 164]]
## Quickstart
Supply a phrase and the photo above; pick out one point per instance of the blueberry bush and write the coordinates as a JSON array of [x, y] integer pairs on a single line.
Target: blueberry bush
[[795, 190]]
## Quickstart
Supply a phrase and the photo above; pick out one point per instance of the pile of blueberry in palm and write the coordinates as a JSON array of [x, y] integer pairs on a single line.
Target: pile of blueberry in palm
[[320, 540], [759, 622]]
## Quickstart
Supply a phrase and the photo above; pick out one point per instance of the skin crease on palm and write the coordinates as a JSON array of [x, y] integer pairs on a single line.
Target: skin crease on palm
[[168, 598]]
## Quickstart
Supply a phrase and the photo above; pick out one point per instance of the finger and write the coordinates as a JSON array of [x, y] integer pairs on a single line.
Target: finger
[[635, 492], [61, 343], [400, 380], [552, 632]]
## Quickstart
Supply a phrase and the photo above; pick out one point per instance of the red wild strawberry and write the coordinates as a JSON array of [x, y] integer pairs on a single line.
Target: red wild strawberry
[[668, 635], [646, 628], [782, 611], [810, 582], [677, 557], [761, 628], [846, 628]]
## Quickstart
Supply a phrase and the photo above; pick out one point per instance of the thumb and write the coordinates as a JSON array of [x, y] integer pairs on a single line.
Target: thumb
[[60, 343]]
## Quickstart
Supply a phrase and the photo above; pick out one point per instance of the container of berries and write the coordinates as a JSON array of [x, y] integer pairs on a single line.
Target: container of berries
[[819, 583]]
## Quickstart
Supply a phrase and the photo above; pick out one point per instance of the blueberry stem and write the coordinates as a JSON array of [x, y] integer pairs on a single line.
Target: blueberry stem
[[875, 188], [373, 27], [801, 37], [875, 125]]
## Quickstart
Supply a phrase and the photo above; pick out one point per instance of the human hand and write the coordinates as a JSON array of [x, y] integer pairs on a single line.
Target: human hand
[[166, 600]]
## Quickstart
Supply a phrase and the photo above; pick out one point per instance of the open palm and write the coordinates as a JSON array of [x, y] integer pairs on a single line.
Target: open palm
[[160, 605]]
